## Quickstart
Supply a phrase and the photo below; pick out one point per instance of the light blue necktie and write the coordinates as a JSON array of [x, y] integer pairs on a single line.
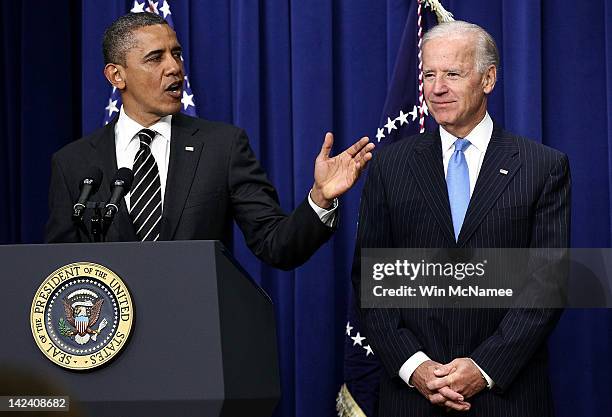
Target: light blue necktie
[[458, 184]]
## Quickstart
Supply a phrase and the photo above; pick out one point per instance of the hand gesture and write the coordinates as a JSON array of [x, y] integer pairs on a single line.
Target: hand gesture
[[334, 176]]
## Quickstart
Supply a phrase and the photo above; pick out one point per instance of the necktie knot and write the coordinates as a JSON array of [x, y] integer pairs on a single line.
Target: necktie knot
[[146, 136], [462, 144]]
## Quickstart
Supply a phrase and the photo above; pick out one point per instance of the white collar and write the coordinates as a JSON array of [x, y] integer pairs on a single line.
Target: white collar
[[479, 137], [128, 129]]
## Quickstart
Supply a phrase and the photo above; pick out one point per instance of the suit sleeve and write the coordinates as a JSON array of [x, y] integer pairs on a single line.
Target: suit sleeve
[[59, 228], [277, 239], [393, 341], [523, 331]]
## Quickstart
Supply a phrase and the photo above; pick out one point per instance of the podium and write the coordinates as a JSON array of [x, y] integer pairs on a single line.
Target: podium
[[203, 340]]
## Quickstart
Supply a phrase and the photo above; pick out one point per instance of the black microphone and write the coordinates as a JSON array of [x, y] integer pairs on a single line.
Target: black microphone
[[89, 185], [121, 185]]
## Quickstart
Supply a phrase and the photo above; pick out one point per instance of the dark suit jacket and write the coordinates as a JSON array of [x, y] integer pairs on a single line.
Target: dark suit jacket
[[220, 180], [405, 204]]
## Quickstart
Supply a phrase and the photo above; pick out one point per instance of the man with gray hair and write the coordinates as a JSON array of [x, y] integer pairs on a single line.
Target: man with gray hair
[[470, 184]]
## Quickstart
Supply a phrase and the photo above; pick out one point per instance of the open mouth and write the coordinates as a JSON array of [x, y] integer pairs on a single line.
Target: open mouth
[[175, 89]]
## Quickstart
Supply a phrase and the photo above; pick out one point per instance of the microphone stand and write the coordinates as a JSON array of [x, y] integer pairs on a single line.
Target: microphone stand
[[77, 219], [96, 224], [107, 219]]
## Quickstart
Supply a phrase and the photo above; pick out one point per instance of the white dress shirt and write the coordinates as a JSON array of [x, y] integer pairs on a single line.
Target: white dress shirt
[[127, 145], [479, 138]]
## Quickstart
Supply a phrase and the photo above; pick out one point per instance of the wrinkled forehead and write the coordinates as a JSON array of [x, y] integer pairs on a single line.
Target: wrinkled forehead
[[452, 49]]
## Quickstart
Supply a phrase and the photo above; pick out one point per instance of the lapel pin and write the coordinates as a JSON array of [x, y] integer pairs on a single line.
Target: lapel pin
[[189, 148], [503, 171]]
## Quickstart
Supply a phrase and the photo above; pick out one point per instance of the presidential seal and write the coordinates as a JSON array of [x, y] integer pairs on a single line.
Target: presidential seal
[[81, 316]]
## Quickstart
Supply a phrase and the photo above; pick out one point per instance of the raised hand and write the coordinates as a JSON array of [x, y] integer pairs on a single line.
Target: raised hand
[[334, 176]]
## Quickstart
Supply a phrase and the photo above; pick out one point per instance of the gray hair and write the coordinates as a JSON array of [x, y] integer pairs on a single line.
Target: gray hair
[[486, 50], [119, 37]]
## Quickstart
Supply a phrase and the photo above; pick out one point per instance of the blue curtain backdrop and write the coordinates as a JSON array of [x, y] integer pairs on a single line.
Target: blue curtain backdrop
[[288, 71]]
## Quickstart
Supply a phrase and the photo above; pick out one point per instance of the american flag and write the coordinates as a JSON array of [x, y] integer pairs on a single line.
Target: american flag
[[405, 112], [161, 8]]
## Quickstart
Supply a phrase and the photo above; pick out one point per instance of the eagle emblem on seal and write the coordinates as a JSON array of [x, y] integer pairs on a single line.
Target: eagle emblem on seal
[[82, 311]]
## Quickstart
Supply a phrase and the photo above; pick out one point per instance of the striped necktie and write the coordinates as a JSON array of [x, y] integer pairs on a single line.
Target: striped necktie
[[458, 184], [145, 197]]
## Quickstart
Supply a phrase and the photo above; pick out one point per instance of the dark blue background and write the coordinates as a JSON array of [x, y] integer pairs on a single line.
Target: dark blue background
[[288, 71]]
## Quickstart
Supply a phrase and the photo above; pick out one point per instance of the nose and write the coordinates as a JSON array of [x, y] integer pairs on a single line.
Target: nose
[[174, 65], [439, 87]]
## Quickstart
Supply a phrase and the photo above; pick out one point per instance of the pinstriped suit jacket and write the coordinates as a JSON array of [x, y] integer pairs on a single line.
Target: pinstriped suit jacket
[[405, 204]]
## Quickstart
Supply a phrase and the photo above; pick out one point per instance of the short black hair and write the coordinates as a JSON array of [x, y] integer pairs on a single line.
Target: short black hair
[[118, 38]]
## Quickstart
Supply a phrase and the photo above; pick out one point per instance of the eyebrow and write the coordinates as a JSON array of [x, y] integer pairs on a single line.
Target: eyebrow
[[161, 51], [153, 53], [444, 70]]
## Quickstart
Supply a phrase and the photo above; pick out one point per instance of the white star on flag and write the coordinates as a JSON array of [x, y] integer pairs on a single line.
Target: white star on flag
[[152, 7], [414, 113], [112, 107], [348, 328], [138, 7], [368, 350], [357, 339], [380, 134], [165, 9], [403, 118], [390, 125], [187, 100]]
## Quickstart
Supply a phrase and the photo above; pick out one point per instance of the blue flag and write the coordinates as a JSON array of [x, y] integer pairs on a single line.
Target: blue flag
[[161, 8], [405, 113]]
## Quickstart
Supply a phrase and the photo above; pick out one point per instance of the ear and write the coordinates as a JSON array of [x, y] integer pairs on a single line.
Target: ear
[[489, 79], [114, 73]]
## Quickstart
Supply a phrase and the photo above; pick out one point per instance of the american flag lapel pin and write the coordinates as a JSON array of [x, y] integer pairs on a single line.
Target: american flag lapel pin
[[189, 148], [503, 171]]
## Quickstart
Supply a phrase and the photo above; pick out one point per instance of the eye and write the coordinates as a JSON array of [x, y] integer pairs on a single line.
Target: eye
[[177, 54], [453, 74]]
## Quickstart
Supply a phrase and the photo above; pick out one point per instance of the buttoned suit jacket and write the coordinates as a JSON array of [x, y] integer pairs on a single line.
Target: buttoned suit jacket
[[216, 180], [521, 200]]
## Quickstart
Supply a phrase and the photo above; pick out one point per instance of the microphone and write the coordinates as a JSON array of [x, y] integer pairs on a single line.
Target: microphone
[[89, 185], [121, 185]]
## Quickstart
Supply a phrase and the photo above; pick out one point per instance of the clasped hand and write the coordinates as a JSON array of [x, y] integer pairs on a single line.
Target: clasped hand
[[448, 385]]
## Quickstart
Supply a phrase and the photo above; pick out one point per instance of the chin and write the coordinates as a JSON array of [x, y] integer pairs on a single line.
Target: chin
[[443, 119], [173, 109]]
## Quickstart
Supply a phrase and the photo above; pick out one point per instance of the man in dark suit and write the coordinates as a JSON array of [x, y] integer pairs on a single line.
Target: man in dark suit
[[192, 177], [468, 185]]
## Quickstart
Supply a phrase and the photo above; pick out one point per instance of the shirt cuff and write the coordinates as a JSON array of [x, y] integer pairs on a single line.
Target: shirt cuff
[[327, 216], [487, 378], [410, 366]]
